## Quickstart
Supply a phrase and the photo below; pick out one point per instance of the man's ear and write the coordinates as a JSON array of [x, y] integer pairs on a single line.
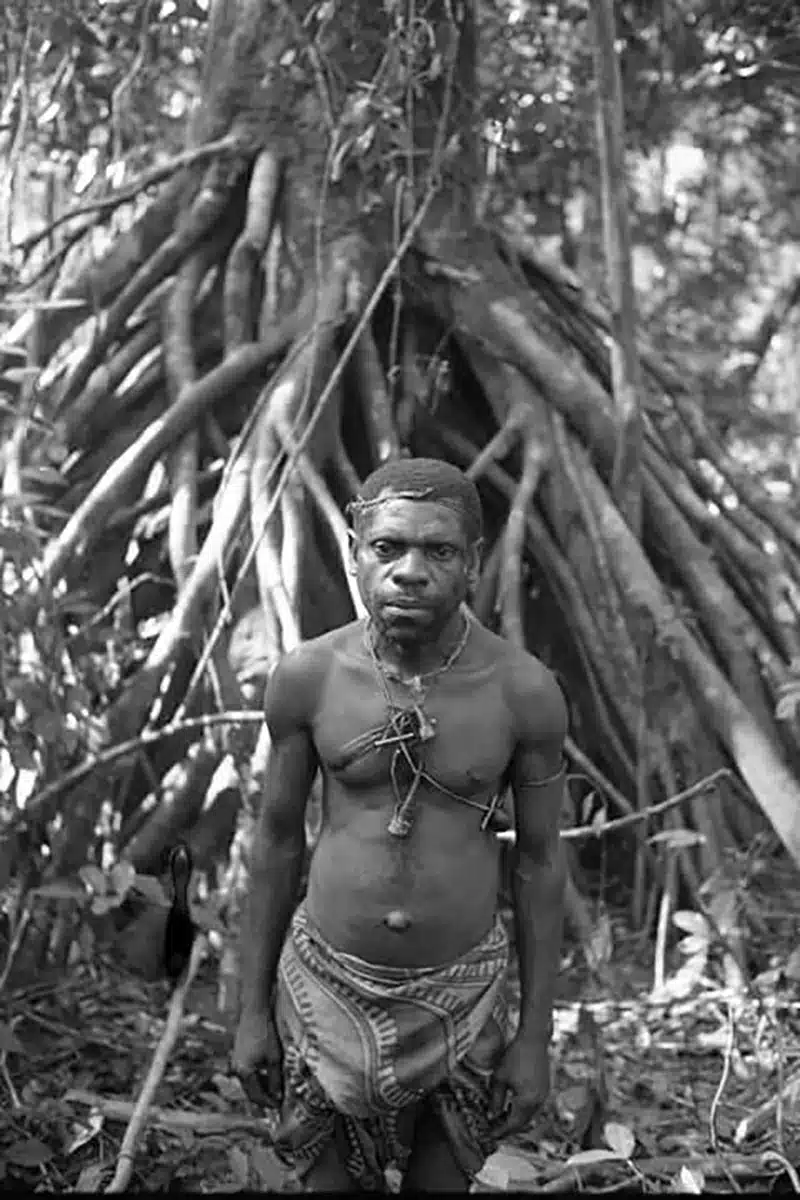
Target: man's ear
[[474, 556], [352, 547]]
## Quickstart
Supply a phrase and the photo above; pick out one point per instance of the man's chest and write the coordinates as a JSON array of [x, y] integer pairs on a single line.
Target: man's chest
[[460, 732]]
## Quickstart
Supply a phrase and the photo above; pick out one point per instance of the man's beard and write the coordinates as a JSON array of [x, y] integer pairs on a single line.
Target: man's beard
[[412, 631]]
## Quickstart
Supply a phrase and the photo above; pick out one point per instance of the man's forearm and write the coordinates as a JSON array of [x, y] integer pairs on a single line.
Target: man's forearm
[[538, 892], [275, 872]]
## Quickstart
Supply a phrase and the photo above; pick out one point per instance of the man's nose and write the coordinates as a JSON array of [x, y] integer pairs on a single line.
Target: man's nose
[[411, 567]]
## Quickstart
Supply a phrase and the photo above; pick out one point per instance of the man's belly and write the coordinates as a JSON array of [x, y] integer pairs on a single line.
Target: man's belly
[[414, 902]]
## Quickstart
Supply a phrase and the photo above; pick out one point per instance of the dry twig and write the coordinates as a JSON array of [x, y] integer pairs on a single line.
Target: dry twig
[[124, 1170]]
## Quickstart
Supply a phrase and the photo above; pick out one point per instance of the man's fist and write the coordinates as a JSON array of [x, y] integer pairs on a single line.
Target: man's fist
[[258, 1059]]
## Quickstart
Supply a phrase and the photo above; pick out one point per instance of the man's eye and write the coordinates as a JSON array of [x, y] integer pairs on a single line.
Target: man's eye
[[384, 549], [442, 553]]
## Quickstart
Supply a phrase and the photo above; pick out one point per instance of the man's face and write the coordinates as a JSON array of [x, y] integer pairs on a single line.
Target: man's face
[[414, 566]]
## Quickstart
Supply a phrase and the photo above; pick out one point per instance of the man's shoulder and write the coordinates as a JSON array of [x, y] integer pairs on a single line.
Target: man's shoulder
[[299, 676], [532, 690]]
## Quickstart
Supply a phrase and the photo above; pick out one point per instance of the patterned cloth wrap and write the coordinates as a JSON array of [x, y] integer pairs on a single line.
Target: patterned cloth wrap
[[364, 1045]]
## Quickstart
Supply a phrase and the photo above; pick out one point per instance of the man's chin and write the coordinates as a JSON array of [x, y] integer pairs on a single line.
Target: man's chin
[[406, 625]]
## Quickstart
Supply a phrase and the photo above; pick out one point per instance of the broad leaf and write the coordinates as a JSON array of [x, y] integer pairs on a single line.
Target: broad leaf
[[83, 1132], [690, 922], [619, 1138], [691, 1180], [90, 1178]]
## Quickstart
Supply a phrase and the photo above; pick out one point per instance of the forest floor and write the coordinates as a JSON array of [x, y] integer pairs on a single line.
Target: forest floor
[[647, 1095]]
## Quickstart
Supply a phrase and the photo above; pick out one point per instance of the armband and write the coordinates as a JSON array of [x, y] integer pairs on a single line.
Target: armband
[[559, 774]]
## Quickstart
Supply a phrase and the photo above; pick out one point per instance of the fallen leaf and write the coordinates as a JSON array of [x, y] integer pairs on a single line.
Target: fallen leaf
[[90, 1178], [28, 1152], [84, 1131], [690, 922], [619, 1138], [229, 1088], [268, 1168], [240, 1165], [688, 976], [572, 1099], [689, 1180]]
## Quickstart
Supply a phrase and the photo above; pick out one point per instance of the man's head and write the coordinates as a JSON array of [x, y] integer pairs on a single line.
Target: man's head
[[417, 530]]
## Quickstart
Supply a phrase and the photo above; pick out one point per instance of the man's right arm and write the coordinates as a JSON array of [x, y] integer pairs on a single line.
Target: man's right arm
[[279, 835]]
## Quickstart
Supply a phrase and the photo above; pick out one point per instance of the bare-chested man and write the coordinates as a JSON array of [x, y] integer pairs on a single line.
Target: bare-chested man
[[374, 1014]]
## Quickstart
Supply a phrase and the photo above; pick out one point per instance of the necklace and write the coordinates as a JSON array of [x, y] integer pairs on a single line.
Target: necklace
[[416, 683], [409, 726]]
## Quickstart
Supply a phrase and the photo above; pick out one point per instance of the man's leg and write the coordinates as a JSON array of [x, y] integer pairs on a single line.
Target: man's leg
[[432, 1166], [329, 1174]]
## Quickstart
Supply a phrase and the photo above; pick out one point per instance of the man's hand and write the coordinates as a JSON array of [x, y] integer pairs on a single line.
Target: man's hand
[[520, 1086], [258, 1059]]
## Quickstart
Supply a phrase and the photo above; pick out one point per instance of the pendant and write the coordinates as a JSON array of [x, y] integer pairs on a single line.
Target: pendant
[[399, 826], [426, 726]]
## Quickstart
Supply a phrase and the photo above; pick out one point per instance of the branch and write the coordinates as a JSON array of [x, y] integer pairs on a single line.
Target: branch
[[788, 297], [587, 831], [207, 208], [376, 404], [128, 78], [203, 1124], [181, 372], [626, 476], [329, 390], [88, 518], [138, 1120], [188, 158], [248, 251], [41, 799], [332, 515], [535, 460]]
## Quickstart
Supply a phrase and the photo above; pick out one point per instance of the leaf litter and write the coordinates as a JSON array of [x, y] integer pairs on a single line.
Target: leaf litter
[[695, 1091]]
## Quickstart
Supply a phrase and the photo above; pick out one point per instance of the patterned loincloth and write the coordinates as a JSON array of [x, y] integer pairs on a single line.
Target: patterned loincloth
[[364, 1045]]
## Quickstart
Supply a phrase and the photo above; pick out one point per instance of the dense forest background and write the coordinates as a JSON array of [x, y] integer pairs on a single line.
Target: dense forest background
[[246, 256]]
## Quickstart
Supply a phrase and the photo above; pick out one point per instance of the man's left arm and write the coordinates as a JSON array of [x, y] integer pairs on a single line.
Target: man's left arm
[[538, 884]]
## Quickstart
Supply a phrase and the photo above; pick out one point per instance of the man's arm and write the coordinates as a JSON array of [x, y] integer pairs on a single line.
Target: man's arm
[[279, 836], [538, 862]]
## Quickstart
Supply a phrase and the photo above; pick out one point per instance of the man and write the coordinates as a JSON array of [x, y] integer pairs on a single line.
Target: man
[[375, 1014]]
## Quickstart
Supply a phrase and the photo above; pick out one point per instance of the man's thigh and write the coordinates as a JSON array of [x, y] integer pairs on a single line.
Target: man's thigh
[[433, 1166]]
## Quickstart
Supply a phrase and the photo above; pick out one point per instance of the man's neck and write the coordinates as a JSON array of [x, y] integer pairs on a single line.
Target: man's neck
[[409, 658]]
